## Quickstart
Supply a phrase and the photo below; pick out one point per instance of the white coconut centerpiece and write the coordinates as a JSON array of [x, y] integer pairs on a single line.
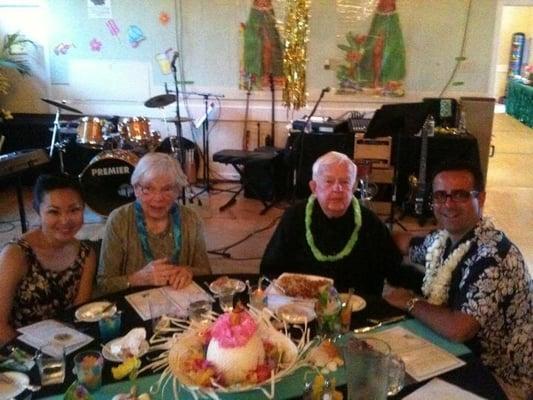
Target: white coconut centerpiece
[[236, 348]]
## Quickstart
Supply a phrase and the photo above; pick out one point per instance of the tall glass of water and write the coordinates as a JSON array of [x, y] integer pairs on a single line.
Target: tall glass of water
[[51, 364], [367, 368]]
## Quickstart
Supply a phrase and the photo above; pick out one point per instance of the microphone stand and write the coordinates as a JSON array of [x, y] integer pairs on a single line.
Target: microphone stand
[[308, 127], [179, 144]]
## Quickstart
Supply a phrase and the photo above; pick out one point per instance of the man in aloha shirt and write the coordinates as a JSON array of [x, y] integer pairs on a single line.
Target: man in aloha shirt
[[476, 286]]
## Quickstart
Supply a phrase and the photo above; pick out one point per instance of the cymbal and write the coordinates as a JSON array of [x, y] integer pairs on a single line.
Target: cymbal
[[62, 105], [181, 119], [159, 101]]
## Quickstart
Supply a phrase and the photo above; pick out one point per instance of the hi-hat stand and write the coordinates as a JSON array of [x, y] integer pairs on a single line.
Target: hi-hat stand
[[56, 132]]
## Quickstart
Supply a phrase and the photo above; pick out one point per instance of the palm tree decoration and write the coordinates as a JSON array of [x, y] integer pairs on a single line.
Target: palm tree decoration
[[9, 59]]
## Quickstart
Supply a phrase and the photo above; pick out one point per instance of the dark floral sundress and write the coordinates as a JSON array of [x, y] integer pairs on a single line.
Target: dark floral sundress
[[44, 294]]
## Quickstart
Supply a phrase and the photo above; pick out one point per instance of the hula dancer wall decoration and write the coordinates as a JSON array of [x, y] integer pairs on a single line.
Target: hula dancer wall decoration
[[375, 62], [262, 46]]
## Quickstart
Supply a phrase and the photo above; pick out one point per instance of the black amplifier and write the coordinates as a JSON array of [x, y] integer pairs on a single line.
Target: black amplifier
[[322, 125]]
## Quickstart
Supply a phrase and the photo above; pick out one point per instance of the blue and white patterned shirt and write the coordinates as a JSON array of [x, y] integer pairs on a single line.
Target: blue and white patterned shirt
[[492, 284]]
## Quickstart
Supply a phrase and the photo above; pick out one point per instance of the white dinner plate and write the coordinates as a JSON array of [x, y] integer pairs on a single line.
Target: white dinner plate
[[92, 312], [110, 356], [357, 302], [218, 286], [10, 390], [294, 313]]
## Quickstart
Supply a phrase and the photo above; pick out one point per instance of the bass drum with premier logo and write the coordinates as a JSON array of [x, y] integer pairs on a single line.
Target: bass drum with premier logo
[[106, 180]]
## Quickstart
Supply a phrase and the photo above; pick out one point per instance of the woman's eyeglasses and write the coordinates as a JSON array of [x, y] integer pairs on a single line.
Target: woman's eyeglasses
[[458, 196], [167, 191]]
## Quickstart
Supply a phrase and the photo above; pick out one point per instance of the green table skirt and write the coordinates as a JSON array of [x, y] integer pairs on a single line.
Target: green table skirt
[[519, 102]]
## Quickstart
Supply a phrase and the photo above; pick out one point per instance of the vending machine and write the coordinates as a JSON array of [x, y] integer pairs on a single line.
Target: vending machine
[[516, 58]]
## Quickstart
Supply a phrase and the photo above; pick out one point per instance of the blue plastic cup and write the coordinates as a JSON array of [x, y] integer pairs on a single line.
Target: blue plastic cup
[[110, 327]]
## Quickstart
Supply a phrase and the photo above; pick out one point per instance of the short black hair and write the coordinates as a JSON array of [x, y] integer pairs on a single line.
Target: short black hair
[[459, 165], [46, 183]]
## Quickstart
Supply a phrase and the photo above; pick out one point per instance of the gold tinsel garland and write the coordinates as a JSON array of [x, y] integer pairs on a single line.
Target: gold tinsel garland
[[295, 55]]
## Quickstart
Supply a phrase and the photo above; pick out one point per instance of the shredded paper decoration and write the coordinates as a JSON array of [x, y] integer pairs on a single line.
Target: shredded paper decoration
[[295, 55]]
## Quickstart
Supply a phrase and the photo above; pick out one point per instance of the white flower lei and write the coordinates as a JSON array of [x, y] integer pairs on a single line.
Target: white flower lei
[[438, 275]]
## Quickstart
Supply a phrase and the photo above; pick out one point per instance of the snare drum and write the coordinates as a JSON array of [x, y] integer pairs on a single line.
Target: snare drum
[[106, 180], [136, 129], [90, 132]]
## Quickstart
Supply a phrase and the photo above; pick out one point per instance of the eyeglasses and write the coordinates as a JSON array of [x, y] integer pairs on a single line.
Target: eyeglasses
[[458, 196], [344, 184], [166, 191]]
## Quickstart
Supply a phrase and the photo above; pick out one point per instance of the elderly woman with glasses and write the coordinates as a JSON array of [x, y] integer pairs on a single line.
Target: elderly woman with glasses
[[153, 241]]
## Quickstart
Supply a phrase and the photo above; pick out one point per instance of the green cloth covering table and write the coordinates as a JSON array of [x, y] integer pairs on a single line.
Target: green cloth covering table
[[519, 102], [287, 388]]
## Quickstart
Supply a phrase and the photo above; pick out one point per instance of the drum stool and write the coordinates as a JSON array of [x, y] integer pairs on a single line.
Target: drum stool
[[239, 159]]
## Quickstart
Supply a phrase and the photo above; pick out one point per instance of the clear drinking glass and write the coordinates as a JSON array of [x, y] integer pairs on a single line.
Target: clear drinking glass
[[225, 299], [88, 367], [51, 364], [257, 297], [367, 368], [396, 379], [200, 311]]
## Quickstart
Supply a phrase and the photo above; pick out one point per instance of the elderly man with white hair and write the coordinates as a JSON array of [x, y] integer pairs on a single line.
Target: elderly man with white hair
[[333, 235], [154, 240]]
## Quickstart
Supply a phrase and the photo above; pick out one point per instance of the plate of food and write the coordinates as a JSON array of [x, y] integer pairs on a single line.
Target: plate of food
[[95, 311], [357, 302], [295, 313], [301, 285], [116, 353], [12, 383], [226, 284]]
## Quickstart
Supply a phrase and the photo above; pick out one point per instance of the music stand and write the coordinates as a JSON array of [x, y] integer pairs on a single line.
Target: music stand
[[204, 122], [397, 120]]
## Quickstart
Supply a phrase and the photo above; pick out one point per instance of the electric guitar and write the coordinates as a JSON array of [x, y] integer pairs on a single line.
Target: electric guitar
[[420, 197], [246, 131]]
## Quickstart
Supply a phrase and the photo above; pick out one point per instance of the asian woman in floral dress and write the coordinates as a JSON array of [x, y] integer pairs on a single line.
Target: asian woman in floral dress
[[47, 270]]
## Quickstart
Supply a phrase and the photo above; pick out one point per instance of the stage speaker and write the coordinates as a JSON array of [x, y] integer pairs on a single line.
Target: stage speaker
[[305, 148], [266, 179]]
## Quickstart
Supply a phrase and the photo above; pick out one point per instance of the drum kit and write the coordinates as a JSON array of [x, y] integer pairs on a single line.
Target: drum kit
[[106, 178]]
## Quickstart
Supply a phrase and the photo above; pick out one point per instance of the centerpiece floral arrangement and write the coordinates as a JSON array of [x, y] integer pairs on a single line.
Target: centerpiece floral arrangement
[[234, 352]]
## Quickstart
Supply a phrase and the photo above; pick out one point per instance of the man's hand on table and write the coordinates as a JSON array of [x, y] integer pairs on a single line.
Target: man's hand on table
[[162, 272], [397, 297]]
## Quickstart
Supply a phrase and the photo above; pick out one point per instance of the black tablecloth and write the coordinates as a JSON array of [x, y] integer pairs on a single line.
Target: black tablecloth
[[473, 376]]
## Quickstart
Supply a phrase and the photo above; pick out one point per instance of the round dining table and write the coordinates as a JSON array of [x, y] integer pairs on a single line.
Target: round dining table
[[473, 376]]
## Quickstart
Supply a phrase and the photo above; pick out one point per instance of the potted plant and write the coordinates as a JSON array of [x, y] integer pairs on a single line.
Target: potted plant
[[12, 56]]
